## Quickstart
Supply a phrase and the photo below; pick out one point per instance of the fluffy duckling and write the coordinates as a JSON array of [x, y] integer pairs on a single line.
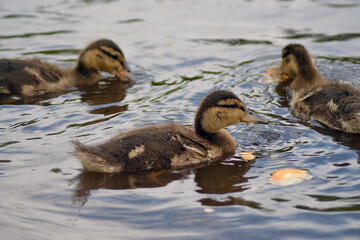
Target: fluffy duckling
[[31, 77], [170, 145], [336, 105]]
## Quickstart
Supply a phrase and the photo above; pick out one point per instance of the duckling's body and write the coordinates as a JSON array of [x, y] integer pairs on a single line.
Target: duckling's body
[[31, 77], [170, 145], [336, 105]]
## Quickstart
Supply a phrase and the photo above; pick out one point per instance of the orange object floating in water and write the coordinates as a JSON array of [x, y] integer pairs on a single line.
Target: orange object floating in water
[[272, 75], [289, 176], [247, 156], [273, 71]]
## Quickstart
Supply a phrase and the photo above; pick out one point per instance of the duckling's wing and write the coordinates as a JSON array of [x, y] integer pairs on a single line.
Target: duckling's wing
[[26, 76], [335, 105], [197, 149]]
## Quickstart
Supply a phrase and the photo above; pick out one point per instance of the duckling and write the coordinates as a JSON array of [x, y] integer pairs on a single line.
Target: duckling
[[171, 145], [31, 77], [336, 105]]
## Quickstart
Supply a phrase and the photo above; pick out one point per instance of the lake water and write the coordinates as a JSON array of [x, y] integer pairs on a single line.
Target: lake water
[[179, 51]]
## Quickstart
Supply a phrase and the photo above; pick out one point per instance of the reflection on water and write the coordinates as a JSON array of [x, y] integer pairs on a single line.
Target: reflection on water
[[227, 173], [110, 90], [229, 201], [222, 177], [87, 181], [217, 178], [231, 42], [318, 37]]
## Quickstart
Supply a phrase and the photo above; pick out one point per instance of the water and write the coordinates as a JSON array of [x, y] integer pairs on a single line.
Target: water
[[179, 51]]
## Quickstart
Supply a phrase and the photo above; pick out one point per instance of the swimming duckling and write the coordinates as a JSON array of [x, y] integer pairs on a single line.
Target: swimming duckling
[[31, 77], [336, 105], [170, 145]]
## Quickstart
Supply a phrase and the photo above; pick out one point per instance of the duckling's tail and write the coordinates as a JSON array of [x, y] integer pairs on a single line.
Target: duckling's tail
[[93, 162], [353, 126], [357, 125]]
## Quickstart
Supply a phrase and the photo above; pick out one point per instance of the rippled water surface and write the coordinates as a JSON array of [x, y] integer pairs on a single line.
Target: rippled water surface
[[179, 51]]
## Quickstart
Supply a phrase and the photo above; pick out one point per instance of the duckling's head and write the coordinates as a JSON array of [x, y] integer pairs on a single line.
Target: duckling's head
[[104, 55], [220, 109], [296, 61]]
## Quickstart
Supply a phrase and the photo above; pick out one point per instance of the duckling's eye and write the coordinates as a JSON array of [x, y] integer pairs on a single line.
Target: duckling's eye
[[242, 108], [232, 105]]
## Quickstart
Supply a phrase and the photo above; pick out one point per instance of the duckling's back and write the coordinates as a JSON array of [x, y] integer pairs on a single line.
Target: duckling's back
[[26, 76], [336, 105], [147, 148]]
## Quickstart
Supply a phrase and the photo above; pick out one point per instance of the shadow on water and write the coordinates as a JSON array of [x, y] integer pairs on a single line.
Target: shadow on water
[[87, 181], [229, 178], [230, 201], [109, 90]]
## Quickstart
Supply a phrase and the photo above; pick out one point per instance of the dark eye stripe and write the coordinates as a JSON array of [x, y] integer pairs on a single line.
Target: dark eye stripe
[[234, 105], [114, 56]]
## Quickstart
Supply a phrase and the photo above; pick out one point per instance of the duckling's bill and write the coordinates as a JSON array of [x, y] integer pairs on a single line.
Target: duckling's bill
[[284, 77], [251, 117], [125, 75]]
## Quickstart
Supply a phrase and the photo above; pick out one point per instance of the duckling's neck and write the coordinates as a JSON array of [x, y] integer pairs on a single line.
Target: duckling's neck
[[307, 78], [84, 75], [220, 138]]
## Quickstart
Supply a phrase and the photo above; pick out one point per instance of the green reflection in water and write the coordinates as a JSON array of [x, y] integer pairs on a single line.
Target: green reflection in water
[[342, 59], [4, 144], [19, 16], [134, 20], [350, 208], [55, 52], [231, 41], [26, 35]]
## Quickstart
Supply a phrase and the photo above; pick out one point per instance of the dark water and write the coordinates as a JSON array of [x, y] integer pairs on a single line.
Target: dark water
[[179, 51]]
